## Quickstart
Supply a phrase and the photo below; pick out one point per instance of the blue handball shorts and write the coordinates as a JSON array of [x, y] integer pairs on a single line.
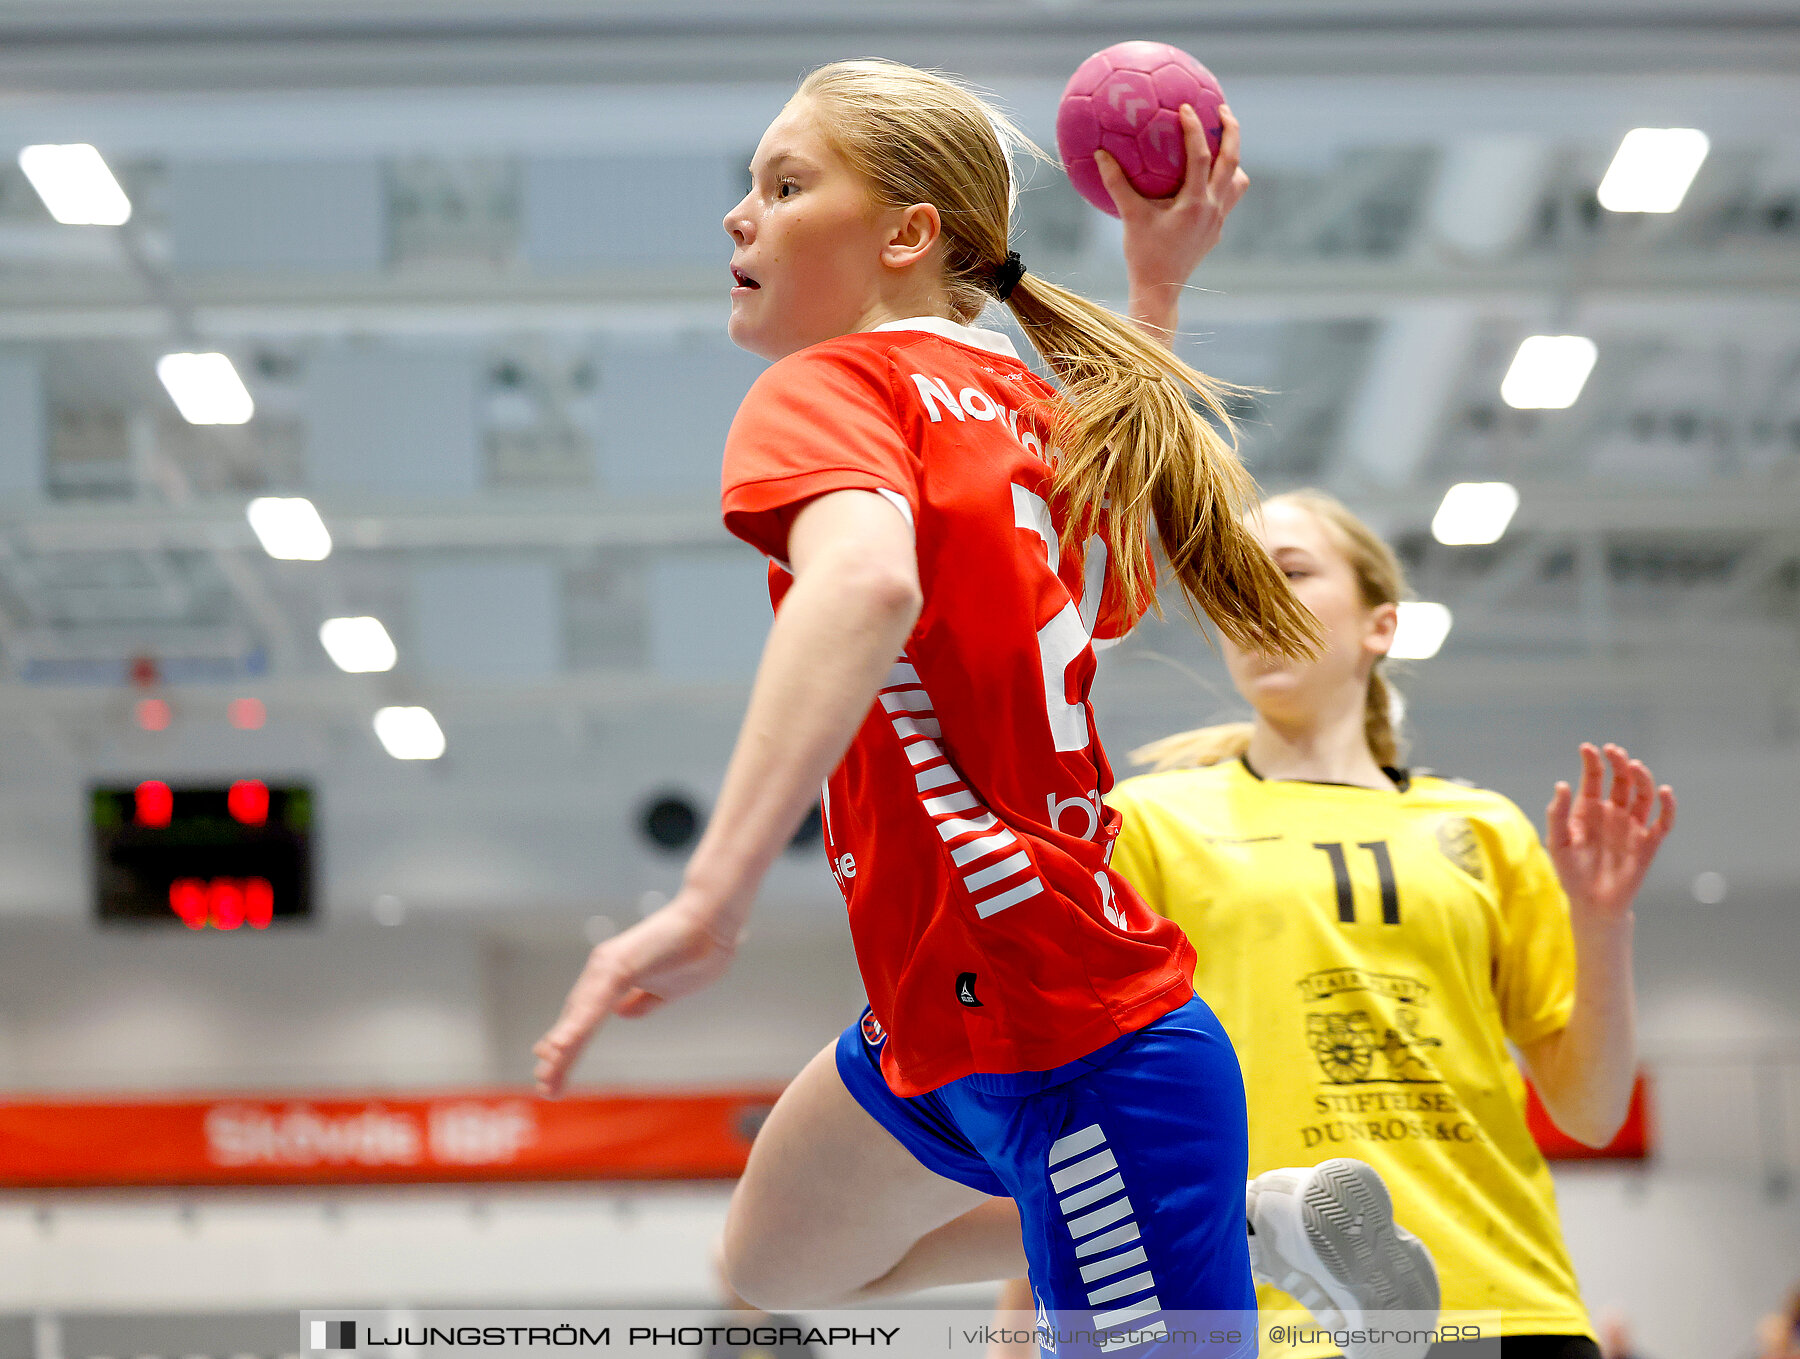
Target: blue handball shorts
[[1128, 1167]]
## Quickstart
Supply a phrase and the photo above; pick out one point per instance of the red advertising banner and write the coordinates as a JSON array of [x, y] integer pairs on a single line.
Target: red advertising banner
[[459, 1136], [1633, 1142], [452, 1137]]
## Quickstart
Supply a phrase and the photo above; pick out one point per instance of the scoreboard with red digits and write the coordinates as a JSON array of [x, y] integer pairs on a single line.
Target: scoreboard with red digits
[[224, 856]]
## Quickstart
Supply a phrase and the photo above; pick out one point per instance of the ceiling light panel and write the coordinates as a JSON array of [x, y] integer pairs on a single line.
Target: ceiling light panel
[[1421, 632], [1652, 169], [409, 733], [1474, 513], [358, 646], [76, 185], [1548, 372], [206, 389], [289, 528]]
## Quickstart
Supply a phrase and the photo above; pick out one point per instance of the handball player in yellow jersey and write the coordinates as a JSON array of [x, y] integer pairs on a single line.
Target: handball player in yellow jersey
[[1373, 941]]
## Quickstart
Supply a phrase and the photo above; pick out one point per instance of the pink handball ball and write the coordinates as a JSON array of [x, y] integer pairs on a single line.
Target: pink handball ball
[[1127, 99]]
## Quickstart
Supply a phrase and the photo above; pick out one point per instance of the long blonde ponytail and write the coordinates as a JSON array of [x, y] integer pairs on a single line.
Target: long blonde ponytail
[[1129, 439], [1132, 451]]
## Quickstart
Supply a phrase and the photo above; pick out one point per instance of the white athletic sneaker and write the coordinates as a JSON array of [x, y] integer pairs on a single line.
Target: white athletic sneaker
[[1327, 1237]]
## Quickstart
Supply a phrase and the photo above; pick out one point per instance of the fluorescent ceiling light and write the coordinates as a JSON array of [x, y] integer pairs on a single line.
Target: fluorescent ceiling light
[[1652, 169], [409, 733], [206, 389], [289, 528], [358, 646], [1474, 512], [1548, 372], [1421, 632], [75, 185]]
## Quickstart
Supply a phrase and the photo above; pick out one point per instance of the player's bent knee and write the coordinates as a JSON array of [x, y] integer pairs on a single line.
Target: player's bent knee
[[769, 1278]]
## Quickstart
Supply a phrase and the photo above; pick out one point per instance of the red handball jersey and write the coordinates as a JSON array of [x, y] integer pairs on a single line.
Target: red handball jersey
[[965, 825]]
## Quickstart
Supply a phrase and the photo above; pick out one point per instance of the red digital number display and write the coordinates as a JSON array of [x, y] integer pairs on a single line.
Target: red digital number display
[[248, 801], [229, 855], [155, 803], [223, 903]]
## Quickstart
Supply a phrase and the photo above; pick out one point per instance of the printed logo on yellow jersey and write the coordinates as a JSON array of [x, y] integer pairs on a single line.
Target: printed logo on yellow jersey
[[1357, 1047], [1456, 837], [1354, 1049], [1367, 1054]]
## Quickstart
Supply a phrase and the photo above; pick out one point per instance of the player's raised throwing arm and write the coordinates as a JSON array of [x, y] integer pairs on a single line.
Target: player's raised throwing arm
[[854, 599], [1166, 238]]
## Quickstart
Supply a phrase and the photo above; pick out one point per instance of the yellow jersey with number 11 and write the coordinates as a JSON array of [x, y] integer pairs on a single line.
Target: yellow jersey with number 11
[[1370, 952]]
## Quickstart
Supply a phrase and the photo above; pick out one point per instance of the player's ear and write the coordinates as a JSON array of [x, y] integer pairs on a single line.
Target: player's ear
[[914, 231], [1384, 619]]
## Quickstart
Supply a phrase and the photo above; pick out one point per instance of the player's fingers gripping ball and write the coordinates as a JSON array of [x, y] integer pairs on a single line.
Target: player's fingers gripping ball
[[1126, 100]]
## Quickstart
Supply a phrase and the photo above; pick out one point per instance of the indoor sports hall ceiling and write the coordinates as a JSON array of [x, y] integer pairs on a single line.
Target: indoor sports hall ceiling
[[468, 264], [188, 44]]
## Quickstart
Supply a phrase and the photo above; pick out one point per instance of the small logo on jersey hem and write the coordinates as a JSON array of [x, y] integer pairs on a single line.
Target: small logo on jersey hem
[[873, 1034], [965, 991]]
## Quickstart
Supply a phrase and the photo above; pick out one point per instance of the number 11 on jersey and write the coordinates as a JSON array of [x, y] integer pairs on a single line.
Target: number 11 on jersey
[[1346, 895]]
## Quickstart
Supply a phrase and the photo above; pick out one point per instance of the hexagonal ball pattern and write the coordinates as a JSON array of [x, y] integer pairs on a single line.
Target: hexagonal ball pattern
[[1125, 102], [1090, 75], [1162, 147], [1177, 83], [1127, 99]]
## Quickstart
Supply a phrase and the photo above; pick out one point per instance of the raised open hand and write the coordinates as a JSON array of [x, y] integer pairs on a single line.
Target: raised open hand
[[1166, 238], [668, 954], [1601, 843]]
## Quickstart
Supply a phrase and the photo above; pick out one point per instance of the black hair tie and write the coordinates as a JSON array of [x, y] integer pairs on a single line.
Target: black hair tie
[[1007, 275]]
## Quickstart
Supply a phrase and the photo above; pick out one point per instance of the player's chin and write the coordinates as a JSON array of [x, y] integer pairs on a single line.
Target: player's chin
[[747, 330], [1276, 682], [762, 336], [738, 327]]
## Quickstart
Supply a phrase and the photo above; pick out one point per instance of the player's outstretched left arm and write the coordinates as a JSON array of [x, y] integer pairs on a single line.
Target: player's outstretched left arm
[[853, 602], [1602, 844], [1166, 238]]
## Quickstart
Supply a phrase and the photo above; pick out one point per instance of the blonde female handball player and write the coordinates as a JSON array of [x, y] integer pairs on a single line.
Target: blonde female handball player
[[1033, 1034], [1375, 940]]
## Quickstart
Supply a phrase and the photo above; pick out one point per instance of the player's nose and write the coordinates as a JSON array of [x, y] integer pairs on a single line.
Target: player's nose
[[737, 222]]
